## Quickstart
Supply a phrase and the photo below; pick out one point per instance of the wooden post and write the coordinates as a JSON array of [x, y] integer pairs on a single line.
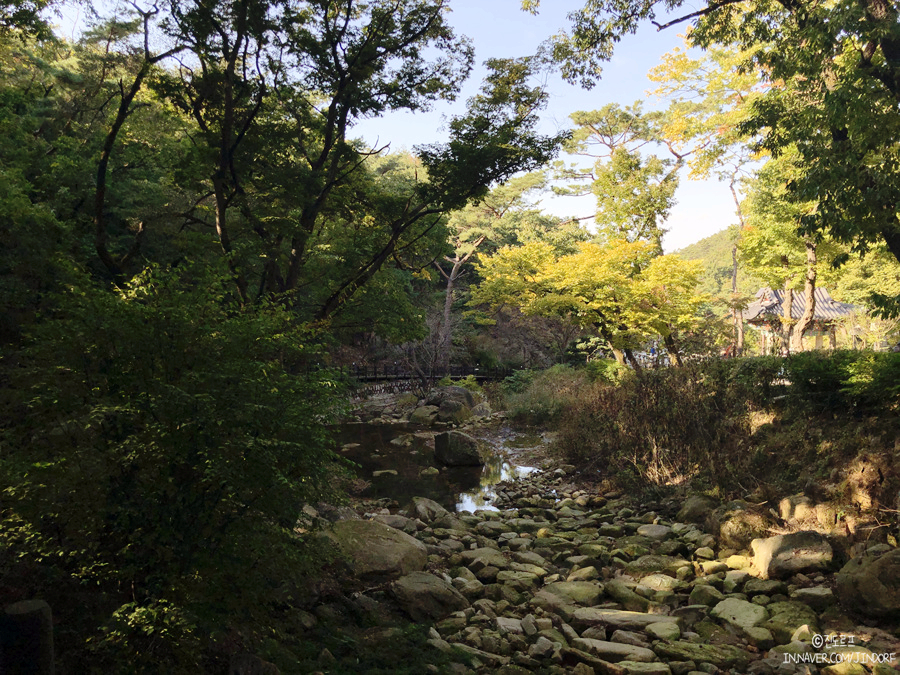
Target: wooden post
[[26, 634]]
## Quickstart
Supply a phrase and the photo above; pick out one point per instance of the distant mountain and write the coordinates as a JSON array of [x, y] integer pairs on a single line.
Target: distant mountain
[[715, 252]]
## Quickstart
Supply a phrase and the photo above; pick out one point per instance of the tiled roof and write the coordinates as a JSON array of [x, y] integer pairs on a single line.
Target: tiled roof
[[768, 306]]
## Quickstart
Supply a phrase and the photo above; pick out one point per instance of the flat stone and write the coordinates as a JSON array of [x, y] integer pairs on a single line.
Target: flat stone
[[819, 598], [655, 532], [660, 582], [759, 637], [723, 656], [764, 587], [489, 556], [651, 564], [584, 574], [637, 668], [617, 618], [509, 625], [626, 597], [521, 581], [575, 592], [786, 554], [704, 594], [625, 637], [614, 651], [665, 630], [705, 552], [740, 613]]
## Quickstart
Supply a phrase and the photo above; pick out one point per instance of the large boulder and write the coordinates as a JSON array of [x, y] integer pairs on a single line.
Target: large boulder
[[452, 393], [787, 554], [375, 551], [871, 585], [696, 508], [426, 597], [453, 411], [425, 415], [454, 448], [735, 525], [426, 510]]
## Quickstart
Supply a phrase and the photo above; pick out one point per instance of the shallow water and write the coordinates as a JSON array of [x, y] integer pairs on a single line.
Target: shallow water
[[455, 488]]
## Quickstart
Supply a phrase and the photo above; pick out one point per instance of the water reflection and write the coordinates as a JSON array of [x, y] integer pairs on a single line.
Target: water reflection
[[408, 452]]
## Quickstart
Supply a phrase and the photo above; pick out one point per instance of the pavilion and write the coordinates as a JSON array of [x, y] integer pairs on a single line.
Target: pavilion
[[765, 314]]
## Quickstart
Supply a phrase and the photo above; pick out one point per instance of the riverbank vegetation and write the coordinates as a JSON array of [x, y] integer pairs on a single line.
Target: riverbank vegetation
[[730, 427]]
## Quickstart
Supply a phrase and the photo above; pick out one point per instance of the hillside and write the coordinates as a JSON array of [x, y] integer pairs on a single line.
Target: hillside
[[715, 252]]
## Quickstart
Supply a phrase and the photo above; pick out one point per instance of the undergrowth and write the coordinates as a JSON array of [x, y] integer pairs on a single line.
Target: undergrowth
[[724, 425]]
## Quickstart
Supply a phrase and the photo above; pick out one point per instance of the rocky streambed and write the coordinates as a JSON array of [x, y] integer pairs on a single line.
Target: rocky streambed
[[561, 580]]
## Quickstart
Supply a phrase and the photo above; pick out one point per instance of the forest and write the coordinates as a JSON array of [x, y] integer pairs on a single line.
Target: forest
[[194, 242]]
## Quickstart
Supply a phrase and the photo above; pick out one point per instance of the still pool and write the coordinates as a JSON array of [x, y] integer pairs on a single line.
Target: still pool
[[398, 463]]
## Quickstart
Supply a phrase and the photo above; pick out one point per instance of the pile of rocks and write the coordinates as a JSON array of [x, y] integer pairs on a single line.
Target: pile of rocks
[[441, 407], [563, 581]]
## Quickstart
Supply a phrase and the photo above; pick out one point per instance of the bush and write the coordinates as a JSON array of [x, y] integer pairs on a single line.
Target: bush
[[605, 370], [667, 426], [547, 395], [161, 455], [468, 382]]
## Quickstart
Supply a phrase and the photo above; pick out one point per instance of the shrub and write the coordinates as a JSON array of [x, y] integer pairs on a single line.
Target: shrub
[[666, 426], [468, 382], [161, 453], [605, 370], [548, 394]]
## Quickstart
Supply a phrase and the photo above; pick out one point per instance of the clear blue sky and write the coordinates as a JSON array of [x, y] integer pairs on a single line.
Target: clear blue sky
[[500, 29]]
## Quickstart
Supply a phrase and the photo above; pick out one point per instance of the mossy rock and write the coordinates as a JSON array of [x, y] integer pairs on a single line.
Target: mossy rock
[[787, 617], [723, 656]]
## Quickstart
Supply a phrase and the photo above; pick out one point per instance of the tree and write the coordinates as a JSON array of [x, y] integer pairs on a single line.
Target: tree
[[634, 193], [709, 101], [621, 290], [838, 70], [472, 227], [776, 253]]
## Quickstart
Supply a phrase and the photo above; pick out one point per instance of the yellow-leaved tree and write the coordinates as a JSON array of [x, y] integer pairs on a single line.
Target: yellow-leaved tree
[[620, 289]]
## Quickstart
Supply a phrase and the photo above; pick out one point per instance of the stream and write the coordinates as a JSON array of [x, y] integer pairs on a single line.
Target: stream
[[392, 458]]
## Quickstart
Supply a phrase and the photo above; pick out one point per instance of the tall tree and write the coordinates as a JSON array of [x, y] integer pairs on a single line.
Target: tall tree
[[635, 191], [709, 101], [469, 229], [838, 65]]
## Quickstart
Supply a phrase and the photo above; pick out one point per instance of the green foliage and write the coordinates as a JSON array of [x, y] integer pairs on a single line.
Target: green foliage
[[605, 370], [547, 396], [162, 452], [518, 382], [468, 382]]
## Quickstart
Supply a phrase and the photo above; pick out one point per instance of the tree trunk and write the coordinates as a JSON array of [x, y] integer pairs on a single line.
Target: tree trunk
[[809, 296], [673, 350], [736, 312], [787, 307], [633, 361], [446, 337]]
